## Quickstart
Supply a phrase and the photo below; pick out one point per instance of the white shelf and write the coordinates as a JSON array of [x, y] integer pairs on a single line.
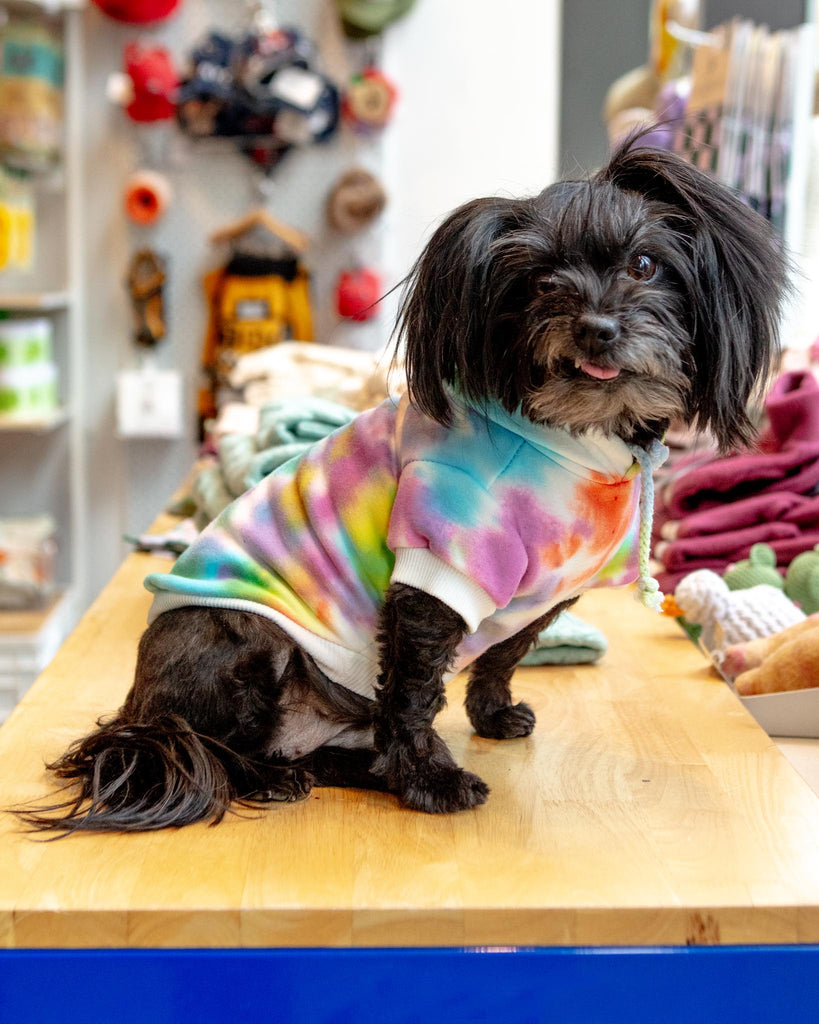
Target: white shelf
[[30, 624], [36, 301], [34, 424], [29, 639]]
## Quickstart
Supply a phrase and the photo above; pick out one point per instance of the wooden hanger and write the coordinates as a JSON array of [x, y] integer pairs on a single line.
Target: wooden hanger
[[260, 218]]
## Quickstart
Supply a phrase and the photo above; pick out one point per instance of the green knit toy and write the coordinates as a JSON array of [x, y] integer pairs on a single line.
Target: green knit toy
[[802, 581], [759, 567]]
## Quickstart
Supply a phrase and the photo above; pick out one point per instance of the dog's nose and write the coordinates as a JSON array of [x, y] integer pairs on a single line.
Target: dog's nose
[[595, 332]]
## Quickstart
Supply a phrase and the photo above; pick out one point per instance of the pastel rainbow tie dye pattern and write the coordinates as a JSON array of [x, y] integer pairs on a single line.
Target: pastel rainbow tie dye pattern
[[496, 516]]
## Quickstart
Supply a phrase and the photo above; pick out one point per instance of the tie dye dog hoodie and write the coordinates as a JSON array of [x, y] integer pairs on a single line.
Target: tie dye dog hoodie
[[497, 517]]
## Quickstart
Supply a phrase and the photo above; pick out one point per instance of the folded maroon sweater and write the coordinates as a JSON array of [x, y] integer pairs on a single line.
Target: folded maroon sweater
[[714, 508], [762, 511], [786, 461], [676, 564], [728, 547], [668, 579]]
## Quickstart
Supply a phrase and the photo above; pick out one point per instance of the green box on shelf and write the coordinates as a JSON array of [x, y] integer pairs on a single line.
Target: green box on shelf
[[25, 342], [28, 390]]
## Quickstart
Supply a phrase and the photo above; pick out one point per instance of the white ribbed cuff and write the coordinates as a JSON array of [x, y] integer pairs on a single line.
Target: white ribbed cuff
[[418, 567]]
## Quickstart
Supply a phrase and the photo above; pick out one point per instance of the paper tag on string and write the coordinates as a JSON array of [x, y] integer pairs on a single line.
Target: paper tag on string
[[149, 403]]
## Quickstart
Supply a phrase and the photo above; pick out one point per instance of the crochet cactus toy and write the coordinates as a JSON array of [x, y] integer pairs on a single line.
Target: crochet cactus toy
[[758, 567], [729, 617], [788, 660], [802, 581]]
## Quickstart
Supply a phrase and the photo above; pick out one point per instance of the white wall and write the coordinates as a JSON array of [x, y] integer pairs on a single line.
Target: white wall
[[479, 87]]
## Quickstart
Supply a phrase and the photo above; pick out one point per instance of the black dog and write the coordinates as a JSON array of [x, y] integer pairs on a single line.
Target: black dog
[[645, 294]]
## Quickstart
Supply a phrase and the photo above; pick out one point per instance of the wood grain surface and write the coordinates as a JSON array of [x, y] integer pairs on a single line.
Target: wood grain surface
[[647, 808]]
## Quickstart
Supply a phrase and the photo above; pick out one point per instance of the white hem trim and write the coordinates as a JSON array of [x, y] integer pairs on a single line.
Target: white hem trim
[[356, 670], [419, 567]]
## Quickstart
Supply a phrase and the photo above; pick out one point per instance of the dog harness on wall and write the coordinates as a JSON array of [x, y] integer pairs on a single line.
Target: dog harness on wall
[[495, 516]]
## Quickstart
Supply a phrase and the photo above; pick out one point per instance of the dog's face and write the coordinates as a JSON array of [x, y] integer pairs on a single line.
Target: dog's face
[[645, 294], [604, 340]]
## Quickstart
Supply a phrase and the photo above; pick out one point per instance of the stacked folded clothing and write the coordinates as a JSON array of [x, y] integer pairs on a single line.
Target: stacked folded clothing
[[287, 427], [715, 508], [359, 380]]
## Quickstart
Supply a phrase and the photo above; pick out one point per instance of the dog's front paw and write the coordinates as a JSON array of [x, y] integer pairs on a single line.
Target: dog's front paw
[[505, 723], [443, 789]]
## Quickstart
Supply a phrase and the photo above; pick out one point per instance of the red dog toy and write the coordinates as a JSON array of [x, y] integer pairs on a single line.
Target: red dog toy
[[357, 294], [154, 82], [138, 12]]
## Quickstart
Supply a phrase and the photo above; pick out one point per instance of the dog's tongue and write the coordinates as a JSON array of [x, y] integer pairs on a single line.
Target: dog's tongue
[[600, 372]]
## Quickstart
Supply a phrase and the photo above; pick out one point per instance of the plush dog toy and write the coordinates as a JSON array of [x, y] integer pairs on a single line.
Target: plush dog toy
[[307, 636], [786, 661]]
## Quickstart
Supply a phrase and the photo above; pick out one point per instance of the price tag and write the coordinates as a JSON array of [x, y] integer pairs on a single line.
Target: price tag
[[299, 88], [149, 403]]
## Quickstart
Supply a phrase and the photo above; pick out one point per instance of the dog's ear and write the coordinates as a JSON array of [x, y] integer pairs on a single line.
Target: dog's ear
[[446, 319], [736, 281]]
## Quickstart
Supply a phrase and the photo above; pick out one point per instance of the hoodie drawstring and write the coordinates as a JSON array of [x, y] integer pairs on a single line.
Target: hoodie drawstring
[[648, 589]]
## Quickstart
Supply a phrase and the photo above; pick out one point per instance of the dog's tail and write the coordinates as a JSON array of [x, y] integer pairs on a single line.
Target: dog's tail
[[129, 776]]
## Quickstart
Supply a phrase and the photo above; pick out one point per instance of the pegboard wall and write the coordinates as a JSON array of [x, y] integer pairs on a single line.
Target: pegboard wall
[[212, 185]]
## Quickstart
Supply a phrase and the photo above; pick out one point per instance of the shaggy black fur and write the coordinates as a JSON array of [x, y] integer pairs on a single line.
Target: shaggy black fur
[[645, 293], [199, 728], [488, 696], [418, 639]]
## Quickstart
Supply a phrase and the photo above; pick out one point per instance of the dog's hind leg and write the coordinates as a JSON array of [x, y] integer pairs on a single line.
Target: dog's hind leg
[[488, 694], [195, 731], [342, 766]]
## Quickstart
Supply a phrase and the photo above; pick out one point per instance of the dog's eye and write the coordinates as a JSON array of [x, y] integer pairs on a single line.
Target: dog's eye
[[642, 268], [544, 283]]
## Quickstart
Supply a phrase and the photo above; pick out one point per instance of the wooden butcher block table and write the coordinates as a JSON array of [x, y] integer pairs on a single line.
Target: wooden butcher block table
[[647, 810]]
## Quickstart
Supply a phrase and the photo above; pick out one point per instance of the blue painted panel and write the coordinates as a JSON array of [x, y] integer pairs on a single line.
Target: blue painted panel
[[346, 986]]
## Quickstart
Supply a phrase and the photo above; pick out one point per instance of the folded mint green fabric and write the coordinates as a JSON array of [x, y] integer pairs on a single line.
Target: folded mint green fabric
[[236, 452], [567, 641], [299, 419], [210, 494], [263, 463]]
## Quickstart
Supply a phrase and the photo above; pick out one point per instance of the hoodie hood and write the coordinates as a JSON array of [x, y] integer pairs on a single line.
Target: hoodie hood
[[591, 455]]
